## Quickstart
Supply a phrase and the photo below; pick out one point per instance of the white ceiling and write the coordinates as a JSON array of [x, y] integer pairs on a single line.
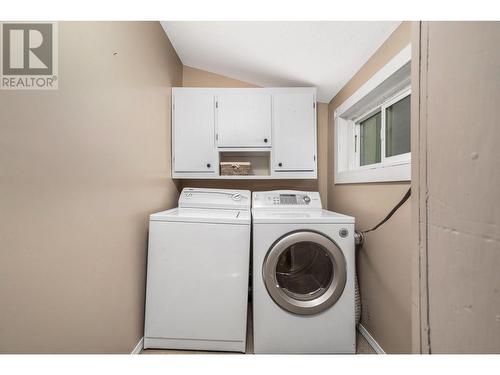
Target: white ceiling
[[324, 54]]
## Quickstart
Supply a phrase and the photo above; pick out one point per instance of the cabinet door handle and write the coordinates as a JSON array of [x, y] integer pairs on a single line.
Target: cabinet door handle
[[208, 165], [280, 164], [265, 140]]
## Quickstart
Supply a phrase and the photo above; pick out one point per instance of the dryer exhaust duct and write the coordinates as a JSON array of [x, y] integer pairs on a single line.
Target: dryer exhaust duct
[[359, 240]]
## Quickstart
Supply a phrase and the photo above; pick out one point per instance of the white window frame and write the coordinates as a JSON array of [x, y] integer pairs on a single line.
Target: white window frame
[[384, 160], [347, 149]]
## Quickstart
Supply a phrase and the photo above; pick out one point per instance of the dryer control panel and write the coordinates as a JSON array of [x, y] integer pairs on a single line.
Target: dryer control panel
[[279, 199]]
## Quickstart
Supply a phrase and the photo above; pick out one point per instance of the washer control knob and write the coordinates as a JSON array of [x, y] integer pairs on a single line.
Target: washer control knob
[[236, 197], [307, 199]]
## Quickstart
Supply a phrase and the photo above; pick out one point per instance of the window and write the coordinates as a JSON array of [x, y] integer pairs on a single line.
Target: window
[[372, 127], [397, 128], [383, 135], [369, 139]]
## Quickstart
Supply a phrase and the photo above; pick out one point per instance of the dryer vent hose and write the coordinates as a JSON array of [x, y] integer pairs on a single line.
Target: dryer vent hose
[[359, 239], [357, 299]]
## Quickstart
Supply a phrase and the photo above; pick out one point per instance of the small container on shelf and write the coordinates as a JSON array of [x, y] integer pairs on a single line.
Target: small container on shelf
[[229, 168]]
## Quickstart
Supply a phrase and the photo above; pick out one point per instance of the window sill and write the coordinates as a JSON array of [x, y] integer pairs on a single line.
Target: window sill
[[377, 173]]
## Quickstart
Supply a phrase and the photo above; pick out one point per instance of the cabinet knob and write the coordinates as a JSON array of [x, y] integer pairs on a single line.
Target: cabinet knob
[[265, 140], [280, 164], [208, 165]]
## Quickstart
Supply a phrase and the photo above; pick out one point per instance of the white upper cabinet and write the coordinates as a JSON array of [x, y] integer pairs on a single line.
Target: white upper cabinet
[[294, 131], [244, 119], [271, 131], [193, 129]]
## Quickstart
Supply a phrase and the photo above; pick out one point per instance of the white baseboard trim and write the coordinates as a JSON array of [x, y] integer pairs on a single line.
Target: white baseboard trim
[[138, 348], [373, 343]]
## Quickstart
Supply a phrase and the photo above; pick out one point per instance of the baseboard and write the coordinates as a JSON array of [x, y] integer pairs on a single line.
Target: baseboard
[[138, 348], [373, 343]]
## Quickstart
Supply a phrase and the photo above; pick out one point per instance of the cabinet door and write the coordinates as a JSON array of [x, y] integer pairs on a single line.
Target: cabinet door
[[244, 120], [194, 132], [295, 132]]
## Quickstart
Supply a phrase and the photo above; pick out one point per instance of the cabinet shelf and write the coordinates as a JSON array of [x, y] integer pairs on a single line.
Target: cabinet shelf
[[244, 149], [260, 161]]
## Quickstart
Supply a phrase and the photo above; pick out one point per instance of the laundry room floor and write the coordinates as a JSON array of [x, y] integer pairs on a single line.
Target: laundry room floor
[[362, 346]]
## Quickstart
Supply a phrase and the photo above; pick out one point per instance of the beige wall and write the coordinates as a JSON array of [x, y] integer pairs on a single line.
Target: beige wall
[[384, 262], [192, 77], [199, 78], [81, 168], [458, 181]]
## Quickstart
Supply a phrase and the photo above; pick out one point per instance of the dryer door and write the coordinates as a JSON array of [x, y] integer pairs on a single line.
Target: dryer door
[[304, 272]]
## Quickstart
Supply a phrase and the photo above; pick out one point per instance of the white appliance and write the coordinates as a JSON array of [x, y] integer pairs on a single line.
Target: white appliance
[[303, 275], [197, 278]]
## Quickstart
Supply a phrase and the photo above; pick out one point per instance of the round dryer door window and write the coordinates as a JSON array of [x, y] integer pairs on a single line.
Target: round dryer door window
[[304, 272]]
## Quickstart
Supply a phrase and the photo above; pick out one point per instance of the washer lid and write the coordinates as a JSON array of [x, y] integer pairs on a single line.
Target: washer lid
[[200, 215], [261, 216], [215, 198]]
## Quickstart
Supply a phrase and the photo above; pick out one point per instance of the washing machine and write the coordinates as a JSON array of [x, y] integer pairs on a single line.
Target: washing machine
[[198, 270], [303, 275]]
